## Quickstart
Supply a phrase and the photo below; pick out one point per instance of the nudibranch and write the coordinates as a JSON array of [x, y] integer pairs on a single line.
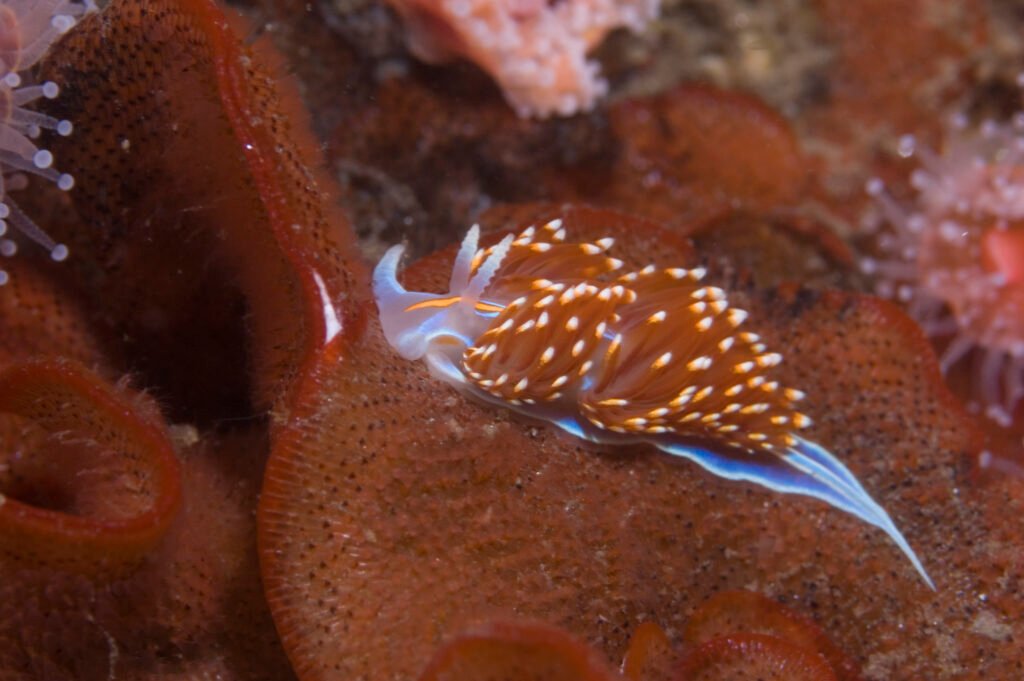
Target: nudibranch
[[558, 331], [27, 29], [955, 257]]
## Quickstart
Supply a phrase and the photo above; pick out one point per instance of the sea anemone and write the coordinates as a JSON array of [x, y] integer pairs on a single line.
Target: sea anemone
[[955, 257], [27, 30]]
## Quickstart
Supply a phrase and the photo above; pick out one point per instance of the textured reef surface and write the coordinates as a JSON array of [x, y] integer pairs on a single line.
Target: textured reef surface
[[214, 466]]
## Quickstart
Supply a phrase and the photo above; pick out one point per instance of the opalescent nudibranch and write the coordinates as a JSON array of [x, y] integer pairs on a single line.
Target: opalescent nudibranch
[[555, 331]]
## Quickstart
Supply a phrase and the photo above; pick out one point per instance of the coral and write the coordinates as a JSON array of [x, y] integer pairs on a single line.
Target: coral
[[193, 607], [650, 655], [28, 28], [515, 649], [102, 475], [42, 317], [694, 152], [734, 635], [241, 244], [126, 549], [746, 612], [191, 603], [954, 255], [753, 657], [535, 49]]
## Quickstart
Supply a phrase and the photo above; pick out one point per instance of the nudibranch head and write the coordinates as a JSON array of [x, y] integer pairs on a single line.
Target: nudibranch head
[[416, 324], [956, 256], [558, 331], [27, 29]]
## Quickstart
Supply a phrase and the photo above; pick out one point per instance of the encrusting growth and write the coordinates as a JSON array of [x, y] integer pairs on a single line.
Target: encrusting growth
[[27, 30], [536, 50], [558, 331]]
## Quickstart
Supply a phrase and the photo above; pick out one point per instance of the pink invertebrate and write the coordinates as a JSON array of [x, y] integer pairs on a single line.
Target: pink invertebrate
[[557, 331], [956, 256], [535, 49], [27, 29]]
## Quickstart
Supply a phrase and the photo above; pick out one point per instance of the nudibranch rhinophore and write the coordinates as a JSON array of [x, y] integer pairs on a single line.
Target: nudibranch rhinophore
[[556, 331]]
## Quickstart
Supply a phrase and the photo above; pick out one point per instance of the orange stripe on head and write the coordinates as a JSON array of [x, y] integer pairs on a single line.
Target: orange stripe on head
[[482, 306], [433, 302]]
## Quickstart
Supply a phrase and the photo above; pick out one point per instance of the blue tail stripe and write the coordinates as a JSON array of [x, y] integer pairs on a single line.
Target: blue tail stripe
[[824, 458], [808, 470]]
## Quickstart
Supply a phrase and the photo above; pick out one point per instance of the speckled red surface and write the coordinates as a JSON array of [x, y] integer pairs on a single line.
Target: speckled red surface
[[400, 529]]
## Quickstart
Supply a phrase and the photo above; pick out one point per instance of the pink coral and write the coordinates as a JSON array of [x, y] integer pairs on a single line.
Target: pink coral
[[27, 29], [535, 49]]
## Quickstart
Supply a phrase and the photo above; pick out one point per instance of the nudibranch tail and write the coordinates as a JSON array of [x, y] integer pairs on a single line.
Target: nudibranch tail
[[844, 491], [806, 469]]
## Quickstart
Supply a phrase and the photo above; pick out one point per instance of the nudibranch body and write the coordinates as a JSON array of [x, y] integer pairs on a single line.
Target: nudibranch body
[[27, 29], [955, 256], [557, 331]]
